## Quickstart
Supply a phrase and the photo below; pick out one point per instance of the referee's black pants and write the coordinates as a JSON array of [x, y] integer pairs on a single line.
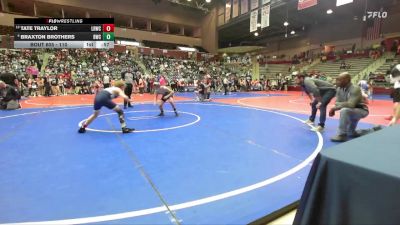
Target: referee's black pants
[[128, 92]]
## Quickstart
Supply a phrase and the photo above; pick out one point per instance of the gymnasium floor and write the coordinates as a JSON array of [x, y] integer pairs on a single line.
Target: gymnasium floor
[[229, 161]]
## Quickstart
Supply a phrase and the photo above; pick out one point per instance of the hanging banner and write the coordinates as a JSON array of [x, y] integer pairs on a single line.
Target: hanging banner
[[244, 6], [235, 8], [265, 12], [228, 10], [303, 4], [253, 20], [265, 2], [254, 4]]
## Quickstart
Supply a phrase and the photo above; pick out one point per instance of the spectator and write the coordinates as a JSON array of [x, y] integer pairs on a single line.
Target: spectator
[[344, 65], [383, 46], [200, 91], [395, 46], [106, 81], [163, 81], [207, 85], [141, 84], [364, 86], [47, 88], [55, 89], [398, 51]]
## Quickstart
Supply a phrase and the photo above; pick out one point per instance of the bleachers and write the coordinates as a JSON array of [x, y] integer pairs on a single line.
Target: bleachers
[[385, 67], [380, 73], [332, 68], [270, 70]]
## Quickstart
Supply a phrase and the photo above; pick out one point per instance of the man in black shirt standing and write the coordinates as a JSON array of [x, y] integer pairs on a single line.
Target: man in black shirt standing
[[128, 78]]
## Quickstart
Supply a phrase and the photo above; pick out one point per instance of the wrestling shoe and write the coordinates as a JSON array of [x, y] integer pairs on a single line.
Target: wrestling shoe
[[81, 130], [309, 122], [318, 128], [126, 130]]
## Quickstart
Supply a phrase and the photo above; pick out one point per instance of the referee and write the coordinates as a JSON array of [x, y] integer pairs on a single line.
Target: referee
[[128, 78]]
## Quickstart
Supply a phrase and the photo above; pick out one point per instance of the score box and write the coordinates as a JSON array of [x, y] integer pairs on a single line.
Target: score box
[[108, 27], [108, 36]]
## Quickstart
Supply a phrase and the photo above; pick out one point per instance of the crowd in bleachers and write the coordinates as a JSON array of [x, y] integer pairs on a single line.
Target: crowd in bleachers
[[85, 71], [82, 71], [18, 61], [68, 71], [242, 60]]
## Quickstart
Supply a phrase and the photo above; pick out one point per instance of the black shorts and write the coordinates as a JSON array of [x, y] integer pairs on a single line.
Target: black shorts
[[166, 99], [103, 98], [396, 95]]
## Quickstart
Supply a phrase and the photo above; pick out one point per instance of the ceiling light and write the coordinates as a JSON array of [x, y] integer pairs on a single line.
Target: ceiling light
[[256, 34], [285, 24], [293, 32], [329, 11], [208, 1], [343, 2], [258, 24]]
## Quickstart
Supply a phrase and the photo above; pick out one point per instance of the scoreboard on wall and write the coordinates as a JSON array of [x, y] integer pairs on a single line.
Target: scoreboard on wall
[[64, 33]]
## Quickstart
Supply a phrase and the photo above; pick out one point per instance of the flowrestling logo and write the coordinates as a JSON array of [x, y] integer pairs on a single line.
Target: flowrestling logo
[[377, 14]]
